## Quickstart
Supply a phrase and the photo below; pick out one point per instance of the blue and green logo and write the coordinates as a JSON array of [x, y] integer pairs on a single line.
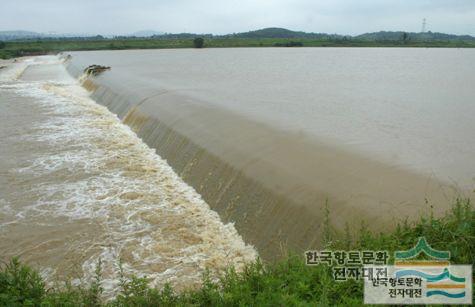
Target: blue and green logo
[[444, 283]]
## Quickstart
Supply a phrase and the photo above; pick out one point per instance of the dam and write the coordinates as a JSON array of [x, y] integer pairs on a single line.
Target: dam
[[269, 137], [177, 161]]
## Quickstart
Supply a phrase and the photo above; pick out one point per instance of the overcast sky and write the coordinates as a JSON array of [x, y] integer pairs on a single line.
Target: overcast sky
[[227, 16]]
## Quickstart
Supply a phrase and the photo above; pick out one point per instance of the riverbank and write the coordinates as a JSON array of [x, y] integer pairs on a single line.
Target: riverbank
[[288, 282], [42, 47]]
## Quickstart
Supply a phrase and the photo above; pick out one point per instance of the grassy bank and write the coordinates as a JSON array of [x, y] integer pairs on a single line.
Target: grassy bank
[[286, 283], [37, 47]]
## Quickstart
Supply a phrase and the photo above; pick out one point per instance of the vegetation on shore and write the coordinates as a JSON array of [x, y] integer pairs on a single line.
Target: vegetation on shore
[[12, 49], [288, 282], [198, 42], [21, 43]]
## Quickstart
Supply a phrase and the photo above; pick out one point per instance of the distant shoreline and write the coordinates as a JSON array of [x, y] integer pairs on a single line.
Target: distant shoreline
[[14, 49]]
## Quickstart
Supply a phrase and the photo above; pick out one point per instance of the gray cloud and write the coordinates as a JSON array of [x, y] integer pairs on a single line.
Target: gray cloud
[[227, 16]]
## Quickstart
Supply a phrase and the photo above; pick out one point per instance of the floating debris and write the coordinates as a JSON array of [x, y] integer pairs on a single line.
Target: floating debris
[[95, 70]]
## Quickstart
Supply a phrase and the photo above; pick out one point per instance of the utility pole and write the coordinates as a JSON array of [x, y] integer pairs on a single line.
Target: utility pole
[[424, 24]]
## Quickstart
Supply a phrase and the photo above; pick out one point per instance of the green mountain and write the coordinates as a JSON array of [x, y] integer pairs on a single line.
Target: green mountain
[[280, 33], [270, 33], [375, 36], [426, 36]]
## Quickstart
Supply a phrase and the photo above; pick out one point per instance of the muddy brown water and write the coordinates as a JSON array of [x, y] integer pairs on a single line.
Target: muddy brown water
[[77, 185], [166, 160]]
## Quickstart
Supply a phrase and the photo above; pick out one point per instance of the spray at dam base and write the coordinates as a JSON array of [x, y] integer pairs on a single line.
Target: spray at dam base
[[81, 186]]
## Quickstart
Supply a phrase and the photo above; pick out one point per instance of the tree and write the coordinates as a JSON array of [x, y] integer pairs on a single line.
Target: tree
[[405, 36], [198, 42], [2, 45]]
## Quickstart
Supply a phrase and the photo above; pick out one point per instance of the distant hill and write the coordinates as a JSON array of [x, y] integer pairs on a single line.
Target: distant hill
[[19, 34], [146, 33], [281, 33], [257, 34], [183, 36], [30, 35], [426, 36]]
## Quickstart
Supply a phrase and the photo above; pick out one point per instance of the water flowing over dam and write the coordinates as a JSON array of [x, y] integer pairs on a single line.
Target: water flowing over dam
[[269, 136], [77, 185], [178, 161]]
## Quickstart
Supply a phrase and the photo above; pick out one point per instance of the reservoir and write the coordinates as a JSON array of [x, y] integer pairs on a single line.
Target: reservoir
[[411, 108], [271, 136]]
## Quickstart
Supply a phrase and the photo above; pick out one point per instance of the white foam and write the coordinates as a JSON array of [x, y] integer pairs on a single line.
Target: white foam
[[112, 178]]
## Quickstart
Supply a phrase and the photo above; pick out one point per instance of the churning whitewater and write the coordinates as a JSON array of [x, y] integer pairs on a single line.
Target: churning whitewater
[[79, 186]]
